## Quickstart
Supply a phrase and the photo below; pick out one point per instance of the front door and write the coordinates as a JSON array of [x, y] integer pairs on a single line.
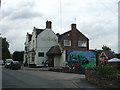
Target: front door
[[51, 61]]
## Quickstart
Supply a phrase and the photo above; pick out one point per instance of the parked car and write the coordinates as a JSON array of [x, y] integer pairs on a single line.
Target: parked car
[[1, 62], [7, 62], [15, 65]]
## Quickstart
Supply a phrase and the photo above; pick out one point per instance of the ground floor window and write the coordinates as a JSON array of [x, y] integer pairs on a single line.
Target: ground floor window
[[33, 56], [41, 54]]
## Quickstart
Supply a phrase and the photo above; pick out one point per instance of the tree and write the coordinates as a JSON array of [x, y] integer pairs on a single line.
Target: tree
[[18, 56], [5, 49], [118, 55], [106, 48]]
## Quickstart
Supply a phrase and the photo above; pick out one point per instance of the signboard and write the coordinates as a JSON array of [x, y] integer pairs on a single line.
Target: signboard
[[48, 39]]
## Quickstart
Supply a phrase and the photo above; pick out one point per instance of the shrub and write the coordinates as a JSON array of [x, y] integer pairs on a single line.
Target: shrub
[[106, 69]]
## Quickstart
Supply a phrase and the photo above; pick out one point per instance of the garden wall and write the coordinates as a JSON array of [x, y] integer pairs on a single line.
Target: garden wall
[[102, 80]]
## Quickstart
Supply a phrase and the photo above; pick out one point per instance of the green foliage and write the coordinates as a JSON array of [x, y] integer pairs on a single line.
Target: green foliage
[[106, 69], [106, 47], [18, 56], [5, 49], [118, 55]]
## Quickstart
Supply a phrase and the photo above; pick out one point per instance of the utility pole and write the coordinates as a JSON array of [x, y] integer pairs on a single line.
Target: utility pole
[[119, 27], [75, 20], [0, 47], [61, 14]]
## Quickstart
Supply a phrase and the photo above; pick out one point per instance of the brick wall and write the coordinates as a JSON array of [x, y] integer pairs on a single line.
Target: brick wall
[[74, 35]]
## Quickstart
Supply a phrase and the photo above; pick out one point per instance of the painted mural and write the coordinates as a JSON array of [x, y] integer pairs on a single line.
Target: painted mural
[[79, 60]]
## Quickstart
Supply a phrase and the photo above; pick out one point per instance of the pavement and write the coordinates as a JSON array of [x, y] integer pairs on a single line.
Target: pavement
[[83, 83], [39, 69], [80, 82], [36, 69]]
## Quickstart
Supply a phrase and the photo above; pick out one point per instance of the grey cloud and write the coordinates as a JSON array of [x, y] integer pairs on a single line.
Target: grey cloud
[[25, 14], [23, 10], [16, 43], [100, 27], [27, 3], [22, 17]]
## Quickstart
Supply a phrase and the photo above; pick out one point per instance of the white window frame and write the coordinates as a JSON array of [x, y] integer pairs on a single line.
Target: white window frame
[[66, 41], [82, 45]]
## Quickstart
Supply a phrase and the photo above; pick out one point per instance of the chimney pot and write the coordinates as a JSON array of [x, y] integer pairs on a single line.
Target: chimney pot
[[48, 24], [57, 34], [73, 26]]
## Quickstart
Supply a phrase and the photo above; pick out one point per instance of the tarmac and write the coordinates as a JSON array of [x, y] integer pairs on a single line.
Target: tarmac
[[80, 83]]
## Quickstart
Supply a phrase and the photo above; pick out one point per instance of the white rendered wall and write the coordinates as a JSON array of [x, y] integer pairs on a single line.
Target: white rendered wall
[[27, 44], [45, 40], [59, 61]]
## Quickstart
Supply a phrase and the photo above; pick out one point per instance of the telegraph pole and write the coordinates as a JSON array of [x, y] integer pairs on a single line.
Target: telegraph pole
[[0, 47], [61, 14]]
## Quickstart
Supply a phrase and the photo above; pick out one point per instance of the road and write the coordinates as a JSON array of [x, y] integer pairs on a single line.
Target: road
[[37, 79], [43, 79]]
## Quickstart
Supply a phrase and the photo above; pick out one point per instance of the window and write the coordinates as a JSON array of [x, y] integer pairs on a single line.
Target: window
[[41, 54], [82, 44], [67, 43], [33, 43], [33, 56], [25, 48]]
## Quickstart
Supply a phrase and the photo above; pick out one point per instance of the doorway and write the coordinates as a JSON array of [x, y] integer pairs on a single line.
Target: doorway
[[51, 61]]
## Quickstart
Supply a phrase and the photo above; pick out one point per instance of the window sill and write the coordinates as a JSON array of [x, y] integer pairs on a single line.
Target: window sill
[[67, 46], [81, 47]]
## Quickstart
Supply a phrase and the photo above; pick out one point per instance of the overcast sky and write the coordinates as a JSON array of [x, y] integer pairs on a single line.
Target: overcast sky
[[97, 19]]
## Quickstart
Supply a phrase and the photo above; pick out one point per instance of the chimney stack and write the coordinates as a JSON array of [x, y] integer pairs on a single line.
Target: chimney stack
[[48, 24], [73, 27]]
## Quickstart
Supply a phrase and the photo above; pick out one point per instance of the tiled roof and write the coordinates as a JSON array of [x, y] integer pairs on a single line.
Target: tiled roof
[[60, 36], [108, 53], [38, 31], [99, 51], [55, 50]]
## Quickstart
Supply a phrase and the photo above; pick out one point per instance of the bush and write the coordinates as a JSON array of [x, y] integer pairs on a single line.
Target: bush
[[106, 69]]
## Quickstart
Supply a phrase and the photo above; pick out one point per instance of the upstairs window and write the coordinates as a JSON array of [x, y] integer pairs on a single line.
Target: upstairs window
[[25, 48], [82, 44], [67, 43], [41, 54]]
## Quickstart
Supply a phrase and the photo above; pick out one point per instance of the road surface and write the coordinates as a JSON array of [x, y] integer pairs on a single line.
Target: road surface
[[37, 79], [43, 79]]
